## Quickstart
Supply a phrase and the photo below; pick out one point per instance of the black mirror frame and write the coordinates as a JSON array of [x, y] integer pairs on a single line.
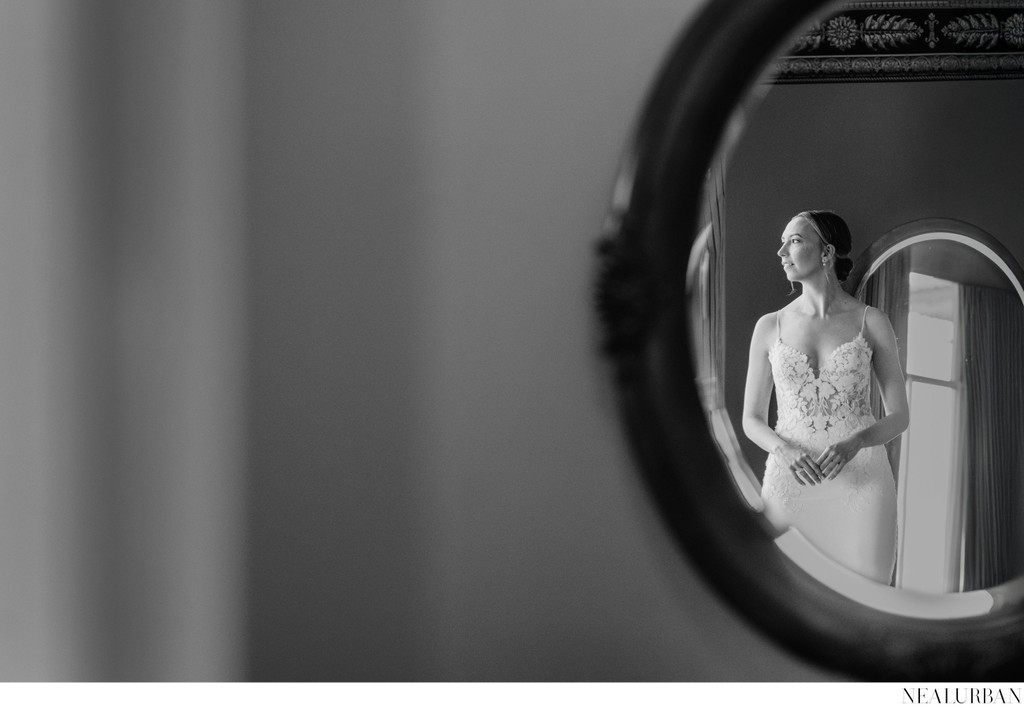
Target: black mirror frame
[[642, 301]]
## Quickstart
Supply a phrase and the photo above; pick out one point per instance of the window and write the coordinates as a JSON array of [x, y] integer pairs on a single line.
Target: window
[[929, 477]]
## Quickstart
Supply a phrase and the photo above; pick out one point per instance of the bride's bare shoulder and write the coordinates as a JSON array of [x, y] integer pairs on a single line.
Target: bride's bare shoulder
[[766, 329], [852, 304], [876, 321]]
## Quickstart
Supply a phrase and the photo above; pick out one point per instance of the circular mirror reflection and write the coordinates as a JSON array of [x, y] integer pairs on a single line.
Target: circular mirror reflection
[[887, 126], [925, 173]]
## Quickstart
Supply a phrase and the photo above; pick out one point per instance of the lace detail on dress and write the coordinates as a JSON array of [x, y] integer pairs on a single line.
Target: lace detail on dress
[[859, 492], [832, 403], [780, 485], [819, 408]]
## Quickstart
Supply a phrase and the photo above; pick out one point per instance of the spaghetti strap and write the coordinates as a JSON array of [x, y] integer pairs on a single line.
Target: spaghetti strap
[[864, 319], [778, 325]]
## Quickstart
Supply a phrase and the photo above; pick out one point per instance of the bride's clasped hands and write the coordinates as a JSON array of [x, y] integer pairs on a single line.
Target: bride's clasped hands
[[833, 458], [804, 467], [807, 469]]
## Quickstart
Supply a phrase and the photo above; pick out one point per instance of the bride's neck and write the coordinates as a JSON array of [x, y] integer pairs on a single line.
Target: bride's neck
[[821, 299]]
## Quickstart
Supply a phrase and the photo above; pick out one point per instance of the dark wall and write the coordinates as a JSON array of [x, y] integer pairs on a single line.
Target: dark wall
[[881, 155]]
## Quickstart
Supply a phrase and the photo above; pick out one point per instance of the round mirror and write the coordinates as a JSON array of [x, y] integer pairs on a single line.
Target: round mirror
[[760, 113]]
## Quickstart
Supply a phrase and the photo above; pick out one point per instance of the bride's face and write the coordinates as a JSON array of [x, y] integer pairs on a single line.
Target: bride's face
[[801, 249]]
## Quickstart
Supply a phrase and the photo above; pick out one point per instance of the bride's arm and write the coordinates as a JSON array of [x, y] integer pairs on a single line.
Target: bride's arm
[[894, 396], [756, 396], [890, 381]]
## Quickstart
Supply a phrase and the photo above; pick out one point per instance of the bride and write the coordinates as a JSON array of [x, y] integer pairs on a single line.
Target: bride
[[827, 472]]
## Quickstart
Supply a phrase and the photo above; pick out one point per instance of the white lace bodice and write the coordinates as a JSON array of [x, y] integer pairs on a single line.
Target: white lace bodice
[[829, 404]]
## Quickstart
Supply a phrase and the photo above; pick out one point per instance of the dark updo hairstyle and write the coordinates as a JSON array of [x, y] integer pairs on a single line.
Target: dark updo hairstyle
[[833, 231]]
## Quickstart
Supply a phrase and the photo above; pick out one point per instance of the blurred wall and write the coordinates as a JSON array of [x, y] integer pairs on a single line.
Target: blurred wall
[[879, 154], [122, 356], [300, 371], [438, 483]]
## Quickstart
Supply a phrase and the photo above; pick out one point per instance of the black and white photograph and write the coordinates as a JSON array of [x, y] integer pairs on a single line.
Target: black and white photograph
[[658, 351]]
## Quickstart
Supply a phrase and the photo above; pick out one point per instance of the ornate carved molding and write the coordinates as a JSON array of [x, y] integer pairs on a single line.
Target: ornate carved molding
[[916, 41], [627, 297]]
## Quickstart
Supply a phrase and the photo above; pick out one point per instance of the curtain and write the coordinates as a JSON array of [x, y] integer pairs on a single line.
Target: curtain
[[888, 289], [992, 435], [709, 293]]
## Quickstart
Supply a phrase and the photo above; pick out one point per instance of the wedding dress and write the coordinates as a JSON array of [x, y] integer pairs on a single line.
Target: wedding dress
[[851, 517]]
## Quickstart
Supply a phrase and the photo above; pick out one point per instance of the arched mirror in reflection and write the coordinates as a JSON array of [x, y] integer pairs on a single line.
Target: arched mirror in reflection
[[871, 110], [954, 296]]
